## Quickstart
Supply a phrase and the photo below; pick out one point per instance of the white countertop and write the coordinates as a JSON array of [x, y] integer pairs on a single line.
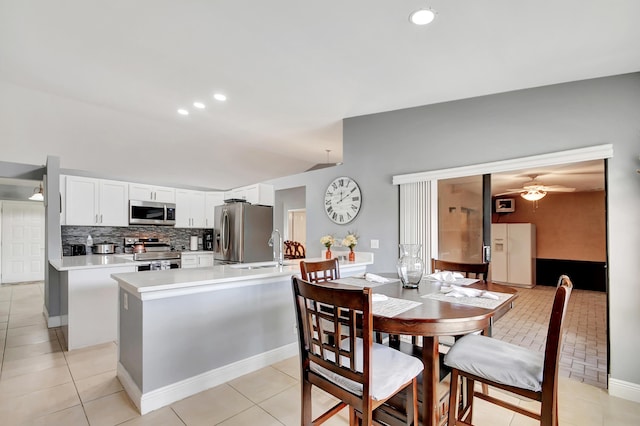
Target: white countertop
[[219, 277], [92, 261], [187, 252]]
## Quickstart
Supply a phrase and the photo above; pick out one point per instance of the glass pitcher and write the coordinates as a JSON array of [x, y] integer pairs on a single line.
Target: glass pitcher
[[410, 266]]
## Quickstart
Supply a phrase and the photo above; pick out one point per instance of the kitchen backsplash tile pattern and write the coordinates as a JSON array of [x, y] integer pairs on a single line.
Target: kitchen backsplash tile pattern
[[179, 237]]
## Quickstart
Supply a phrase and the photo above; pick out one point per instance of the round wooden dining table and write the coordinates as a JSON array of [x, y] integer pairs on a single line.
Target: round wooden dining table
[[433, 318]]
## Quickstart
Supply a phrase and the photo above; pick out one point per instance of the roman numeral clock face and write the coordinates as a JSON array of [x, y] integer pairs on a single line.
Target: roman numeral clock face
[[342, 200]]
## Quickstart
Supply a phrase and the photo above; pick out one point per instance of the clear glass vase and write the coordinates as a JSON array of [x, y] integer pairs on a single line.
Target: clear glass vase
[[410, 266]]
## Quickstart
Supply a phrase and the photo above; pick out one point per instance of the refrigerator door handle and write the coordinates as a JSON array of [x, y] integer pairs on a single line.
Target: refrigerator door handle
[[224, 233]]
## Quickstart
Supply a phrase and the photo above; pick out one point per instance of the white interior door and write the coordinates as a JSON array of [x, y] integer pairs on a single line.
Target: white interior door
[[22, 241], [297, 226]]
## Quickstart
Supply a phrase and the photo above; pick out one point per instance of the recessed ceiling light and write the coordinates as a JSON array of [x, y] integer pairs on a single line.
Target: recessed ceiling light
[[219, 97], [183, 111], [422, 16], [199, 105]]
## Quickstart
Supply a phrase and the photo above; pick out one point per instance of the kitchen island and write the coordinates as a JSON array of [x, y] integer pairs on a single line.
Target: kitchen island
[[183, 331], [89, 297]]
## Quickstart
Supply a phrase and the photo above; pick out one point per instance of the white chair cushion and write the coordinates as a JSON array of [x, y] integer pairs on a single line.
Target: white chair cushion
[[498, 361], [390, 370]]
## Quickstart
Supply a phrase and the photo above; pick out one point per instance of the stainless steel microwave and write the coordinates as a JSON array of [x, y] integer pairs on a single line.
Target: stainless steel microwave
[[151, 213]]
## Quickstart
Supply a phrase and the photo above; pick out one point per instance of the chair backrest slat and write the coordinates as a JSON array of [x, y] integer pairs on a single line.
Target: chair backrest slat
[[341, 313], [322, 271], [479, 271]]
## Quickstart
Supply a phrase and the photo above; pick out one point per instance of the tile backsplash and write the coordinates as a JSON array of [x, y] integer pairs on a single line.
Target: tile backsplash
[[179, 237]]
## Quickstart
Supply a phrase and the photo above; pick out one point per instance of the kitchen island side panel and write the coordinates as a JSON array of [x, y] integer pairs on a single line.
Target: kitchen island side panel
[[188, 335], [130, 335]]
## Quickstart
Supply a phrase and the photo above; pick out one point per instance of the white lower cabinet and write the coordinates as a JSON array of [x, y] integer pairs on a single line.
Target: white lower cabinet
[[90, 306], [196, 260]]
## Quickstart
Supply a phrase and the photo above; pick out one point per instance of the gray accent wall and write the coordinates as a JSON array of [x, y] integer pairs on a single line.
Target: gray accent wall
[[492, 128]]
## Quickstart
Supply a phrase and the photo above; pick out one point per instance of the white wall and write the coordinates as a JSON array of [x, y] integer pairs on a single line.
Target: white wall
[[492, 128]]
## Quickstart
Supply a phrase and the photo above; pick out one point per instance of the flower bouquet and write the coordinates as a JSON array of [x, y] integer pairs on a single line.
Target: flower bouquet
[[328, 241], [351, 240]]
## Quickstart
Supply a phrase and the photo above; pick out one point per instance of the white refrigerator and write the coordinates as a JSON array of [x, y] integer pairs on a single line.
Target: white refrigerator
[[513, 253]]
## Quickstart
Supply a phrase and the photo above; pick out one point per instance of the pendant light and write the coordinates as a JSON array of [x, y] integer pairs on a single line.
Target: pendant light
[[38, 194]]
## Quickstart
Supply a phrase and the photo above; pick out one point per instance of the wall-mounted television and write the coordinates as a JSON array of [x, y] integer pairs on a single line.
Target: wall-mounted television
[[505, 205]]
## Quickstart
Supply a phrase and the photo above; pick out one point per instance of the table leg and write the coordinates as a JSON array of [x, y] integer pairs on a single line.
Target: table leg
[[430, 379]]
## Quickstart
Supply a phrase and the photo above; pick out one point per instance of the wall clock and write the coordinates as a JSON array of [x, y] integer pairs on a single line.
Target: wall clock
[[342, 200]]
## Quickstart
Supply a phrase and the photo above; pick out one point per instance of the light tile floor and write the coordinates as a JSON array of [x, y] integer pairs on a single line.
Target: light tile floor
[[40, 384]]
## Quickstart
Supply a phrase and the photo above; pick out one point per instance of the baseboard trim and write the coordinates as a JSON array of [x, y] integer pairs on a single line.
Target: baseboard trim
[[624, 390], [166, 395], [514, 284], [51, 321]]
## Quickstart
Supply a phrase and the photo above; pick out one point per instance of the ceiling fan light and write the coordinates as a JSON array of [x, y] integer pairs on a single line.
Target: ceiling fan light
[[533, 195]]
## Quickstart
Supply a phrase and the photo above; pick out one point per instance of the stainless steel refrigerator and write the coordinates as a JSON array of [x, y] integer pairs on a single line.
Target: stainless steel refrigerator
[[242, 233]]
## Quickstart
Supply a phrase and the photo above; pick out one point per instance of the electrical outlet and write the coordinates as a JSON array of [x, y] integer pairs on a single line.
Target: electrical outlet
[[375, 244], [126, 302]]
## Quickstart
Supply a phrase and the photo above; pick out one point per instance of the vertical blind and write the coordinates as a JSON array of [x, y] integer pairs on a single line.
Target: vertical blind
[[416, 202]]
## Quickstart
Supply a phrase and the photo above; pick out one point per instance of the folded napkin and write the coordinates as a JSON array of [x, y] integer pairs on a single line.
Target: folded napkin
[[378, 297], [373, 278], [445, 276], [456, 291]]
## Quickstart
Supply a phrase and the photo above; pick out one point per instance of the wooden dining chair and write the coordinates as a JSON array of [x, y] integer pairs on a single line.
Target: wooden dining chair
[[511, 368], [478, 271], [321, 271], [360, 373], [298, 250]]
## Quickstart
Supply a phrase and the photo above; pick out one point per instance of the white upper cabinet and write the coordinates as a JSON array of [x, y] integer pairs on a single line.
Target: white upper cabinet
[[138, 191], [96, 202], [212, 199], [260, 193], [63, 200], [190, 209]]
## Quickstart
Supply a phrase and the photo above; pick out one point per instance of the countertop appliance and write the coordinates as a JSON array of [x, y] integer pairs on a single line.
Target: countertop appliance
[[157, 255], [151, 213], [74, 250], [103, 248], [242, 232], [207, 240]]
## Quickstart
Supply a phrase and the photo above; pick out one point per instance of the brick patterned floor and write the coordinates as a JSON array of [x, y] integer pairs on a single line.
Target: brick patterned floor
[[584, 351]]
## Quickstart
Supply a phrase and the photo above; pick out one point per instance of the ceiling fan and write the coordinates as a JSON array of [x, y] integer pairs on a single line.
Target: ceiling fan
[[534, 190]]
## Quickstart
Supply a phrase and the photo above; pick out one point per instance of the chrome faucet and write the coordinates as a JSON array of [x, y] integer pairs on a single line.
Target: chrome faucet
[[278, 253]]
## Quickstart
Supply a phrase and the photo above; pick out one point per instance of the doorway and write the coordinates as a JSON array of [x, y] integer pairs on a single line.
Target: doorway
[[297, 226], [290, 214], [419, 218]]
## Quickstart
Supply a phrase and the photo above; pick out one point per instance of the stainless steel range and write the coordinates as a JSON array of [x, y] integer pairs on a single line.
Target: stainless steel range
[[152, 253]]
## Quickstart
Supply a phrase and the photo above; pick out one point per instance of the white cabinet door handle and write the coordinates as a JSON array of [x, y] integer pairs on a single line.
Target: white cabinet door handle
[[100, 218]]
